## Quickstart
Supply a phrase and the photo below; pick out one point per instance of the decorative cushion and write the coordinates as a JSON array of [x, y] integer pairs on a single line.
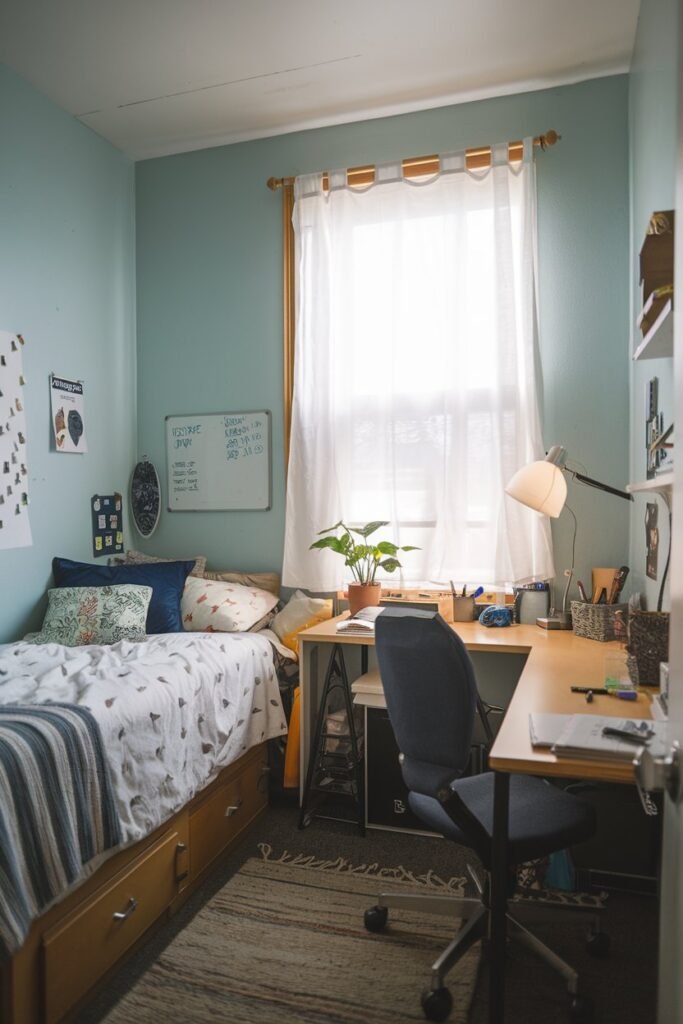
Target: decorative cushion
[[94, 615], [166, 579], [261, 580], [300, 612], [140, 558], [215, 607]]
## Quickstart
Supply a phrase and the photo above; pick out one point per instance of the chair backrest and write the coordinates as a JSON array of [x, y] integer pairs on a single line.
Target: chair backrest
[[431, 694]]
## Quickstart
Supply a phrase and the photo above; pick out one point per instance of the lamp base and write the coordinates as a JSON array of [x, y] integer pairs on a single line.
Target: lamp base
[[560, 620]]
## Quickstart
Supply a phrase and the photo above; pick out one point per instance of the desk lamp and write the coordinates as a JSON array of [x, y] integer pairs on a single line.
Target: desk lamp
[[541, 485]]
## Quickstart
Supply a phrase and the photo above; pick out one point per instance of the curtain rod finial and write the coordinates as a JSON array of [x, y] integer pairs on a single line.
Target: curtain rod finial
[[274, 184], [550, 138]]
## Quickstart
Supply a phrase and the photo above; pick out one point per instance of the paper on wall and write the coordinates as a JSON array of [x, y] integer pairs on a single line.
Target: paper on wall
[[68, 414], [15, 528]]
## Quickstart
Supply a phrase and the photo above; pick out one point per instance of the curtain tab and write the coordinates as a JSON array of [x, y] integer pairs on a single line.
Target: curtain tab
[[308, 185], [450, 163], [388, 172], [336, 179], [499, 154]]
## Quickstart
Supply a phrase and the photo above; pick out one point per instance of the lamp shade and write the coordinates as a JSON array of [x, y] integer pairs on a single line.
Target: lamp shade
[[541, 486]]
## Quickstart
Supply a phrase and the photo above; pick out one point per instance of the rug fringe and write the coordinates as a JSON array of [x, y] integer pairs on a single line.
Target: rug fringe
[[429, 880]]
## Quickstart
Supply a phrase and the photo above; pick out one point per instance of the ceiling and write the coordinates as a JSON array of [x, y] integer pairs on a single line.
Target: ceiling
[[163, 76]]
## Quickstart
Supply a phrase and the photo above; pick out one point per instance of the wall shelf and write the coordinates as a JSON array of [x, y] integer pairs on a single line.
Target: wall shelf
[[662, 484], [658, 343]]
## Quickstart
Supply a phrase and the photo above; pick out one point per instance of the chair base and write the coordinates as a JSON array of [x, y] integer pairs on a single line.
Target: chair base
[[475, 915]]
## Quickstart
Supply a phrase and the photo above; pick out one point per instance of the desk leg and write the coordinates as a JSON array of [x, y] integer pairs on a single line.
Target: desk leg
[[499, 883]]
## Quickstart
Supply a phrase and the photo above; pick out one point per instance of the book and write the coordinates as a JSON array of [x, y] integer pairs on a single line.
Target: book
[[362, 623], [582, 736]]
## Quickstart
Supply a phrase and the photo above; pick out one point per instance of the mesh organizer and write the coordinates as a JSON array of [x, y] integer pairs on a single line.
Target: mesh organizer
[[597, 621]]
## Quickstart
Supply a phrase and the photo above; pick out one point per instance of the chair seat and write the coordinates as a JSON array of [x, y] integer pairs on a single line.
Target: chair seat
[[542, 817]]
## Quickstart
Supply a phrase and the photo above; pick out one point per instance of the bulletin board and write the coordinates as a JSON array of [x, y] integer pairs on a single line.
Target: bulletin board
[[219, 461]]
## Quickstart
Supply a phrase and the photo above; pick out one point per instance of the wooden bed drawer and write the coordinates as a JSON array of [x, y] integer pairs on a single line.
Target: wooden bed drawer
[[91, 939], [225, 812]]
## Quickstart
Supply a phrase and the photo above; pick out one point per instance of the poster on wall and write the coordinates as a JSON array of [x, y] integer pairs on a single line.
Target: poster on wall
[[68, 415], [15, 529], [107, 524]]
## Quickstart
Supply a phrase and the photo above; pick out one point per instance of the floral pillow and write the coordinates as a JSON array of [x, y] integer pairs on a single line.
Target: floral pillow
[[210, 606], [77, 616]]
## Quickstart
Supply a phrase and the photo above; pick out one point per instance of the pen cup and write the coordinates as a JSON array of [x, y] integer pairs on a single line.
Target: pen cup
[[616, 670], [464, 608]]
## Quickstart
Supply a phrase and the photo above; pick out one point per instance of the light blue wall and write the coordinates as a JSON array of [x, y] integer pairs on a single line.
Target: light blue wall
[[653, 127], [209, 293], [67, 285]]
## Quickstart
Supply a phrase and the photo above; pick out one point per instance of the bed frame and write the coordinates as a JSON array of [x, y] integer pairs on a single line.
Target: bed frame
[[77, 943]]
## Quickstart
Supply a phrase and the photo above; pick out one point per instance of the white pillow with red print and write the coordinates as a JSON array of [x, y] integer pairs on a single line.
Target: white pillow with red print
[[210, 606]]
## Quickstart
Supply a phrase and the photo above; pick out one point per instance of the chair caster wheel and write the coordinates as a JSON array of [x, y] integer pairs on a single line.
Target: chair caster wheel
[[437, 1004], [581, 1010], [375, 919], [598, 944]]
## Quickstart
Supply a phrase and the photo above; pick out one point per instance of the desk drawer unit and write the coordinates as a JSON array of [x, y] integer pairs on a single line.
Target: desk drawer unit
[[386, 794], [78, 951]]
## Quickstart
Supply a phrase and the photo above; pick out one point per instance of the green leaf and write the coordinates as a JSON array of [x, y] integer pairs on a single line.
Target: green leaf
[[385, 547], [390, 564], [365, 531], [331, 528], [408, 547], [334, 543]]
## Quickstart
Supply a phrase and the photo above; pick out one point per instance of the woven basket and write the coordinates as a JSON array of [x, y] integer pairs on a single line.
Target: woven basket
[[597, 621], [648, 645]]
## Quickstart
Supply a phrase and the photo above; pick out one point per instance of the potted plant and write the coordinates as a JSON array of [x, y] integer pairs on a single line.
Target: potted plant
[[363, 559]]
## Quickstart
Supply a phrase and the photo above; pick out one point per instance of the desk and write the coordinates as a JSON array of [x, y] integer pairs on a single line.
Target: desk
[[555, 661]]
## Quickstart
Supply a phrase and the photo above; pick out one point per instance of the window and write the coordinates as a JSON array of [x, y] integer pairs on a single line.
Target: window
[[414, 387]]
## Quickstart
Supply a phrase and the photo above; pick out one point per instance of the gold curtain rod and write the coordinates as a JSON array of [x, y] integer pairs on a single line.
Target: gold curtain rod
[[415, 166]]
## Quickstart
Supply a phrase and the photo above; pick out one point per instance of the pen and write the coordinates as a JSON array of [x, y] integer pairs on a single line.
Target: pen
[[452, 587], [582, 591], [607, 692], [631, 737], [478, 592]]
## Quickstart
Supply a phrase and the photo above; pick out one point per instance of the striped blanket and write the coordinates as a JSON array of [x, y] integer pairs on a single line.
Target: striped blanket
[[57, 809]]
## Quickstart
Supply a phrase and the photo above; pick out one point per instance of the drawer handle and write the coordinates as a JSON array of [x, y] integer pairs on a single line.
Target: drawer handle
[[232, 809], [121, 915]]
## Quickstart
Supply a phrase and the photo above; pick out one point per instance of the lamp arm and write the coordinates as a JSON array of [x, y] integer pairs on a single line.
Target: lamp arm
[[569, 573], [600, 486]]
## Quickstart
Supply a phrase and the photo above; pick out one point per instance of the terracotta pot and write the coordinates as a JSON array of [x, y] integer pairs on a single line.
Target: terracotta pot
[[364, 595]]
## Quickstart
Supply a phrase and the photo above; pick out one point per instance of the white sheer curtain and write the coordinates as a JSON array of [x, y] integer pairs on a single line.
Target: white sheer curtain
[[414, 382]]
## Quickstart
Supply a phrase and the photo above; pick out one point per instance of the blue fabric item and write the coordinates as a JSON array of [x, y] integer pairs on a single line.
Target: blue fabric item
[[496, 615], [166, 579]]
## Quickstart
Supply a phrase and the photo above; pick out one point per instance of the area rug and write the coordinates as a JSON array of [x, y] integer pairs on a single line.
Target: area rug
[[283, 942]]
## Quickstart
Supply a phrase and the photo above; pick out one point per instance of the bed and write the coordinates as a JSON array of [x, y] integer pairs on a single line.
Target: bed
[[183, 720]]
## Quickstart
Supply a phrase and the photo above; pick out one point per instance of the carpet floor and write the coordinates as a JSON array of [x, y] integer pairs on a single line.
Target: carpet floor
[[280, 943], [622, 987]]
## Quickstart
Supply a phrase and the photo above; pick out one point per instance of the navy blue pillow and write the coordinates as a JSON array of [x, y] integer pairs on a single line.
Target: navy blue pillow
[[166, 579]]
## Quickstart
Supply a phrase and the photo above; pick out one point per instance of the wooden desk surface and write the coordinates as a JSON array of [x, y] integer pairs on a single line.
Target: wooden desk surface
[[556, 661]]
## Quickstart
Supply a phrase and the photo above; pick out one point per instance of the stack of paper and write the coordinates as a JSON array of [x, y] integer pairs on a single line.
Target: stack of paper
[[582, 736]]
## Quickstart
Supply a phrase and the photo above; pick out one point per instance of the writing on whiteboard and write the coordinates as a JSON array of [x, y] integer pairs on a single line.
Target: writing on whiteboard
[[244, 437], [182, 436]]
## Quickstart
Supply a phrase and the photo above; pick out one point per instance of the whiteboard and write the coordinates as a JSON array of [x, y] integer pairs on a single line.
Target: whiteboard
[[218, 461]]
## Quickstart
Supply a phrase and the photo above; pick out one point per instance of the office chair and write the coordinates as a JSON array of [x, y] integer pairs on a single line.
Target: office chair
[[431, 696]]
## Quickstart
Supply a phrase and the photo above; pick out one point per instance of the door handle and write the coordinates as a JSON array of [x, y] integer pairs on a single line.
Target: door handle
[[232, 809], [654, 774], [121, 915]]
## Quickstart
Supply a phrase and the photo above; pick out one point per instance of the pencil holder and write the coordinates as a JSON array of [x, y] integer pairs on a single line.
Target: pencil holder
[[597, 621], [464, 609], [648, 646]]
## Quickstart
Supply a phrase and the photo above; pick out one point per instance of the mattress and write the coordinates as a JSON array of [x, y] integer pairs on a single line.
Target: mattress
[[173, 711]]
